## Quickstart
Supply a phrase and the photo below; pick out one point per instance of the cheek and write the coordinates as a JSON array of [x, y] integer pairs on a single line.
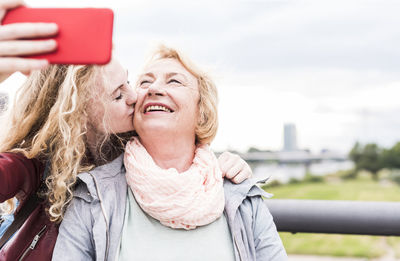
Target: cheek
[[192, 110], [137, 119], [195, 104], [113, 115], [189, 99], [115, 112], [141, 94]]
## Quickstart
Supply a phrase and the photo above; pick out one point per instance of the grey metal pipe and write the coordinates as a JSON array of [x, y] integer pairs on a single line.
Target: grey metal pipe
[[339, 217]]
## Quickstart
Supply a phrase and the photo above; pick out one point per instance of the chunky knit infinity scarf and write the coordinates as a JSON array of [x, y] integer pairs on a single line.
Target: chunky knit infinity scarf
[[178, 200]]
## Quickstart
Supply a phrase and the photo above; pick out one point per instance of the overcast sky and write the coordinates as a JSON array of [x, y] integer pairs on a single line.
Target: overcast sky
[[330, 67]]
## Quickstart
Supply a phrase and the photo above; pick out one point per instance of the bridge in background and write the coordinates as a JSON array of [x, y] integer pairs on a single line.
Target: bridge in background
[[302, 157]]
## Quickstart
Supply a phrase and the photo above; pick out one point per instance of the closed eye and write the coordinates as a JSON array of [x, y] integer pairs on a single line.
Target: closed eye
[[144, 82], [117, 94], [174, 81]]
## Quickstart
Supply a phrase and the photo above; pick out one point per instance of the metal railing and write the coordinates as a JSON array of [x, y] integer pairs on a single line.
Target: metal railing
[[338, 217]]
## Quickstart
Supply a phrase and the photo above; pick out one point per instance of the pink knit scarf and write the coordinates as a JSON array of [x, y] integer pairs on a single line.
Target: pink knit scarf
[[178, 200]]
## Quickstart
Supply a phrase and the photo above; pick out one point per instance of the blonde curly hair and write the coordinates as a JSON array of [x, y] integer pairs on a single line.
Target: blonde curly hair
[[49, 120]]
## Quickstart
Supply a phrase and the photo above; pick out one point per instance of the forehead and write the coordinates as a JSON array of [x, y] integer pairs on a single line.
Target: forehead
[[167, 66], [113, 74]]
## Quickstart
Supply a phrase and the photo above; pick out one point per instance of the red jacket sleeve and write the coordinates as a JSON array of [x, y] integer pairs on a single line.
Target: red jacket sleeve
[[18, 174]]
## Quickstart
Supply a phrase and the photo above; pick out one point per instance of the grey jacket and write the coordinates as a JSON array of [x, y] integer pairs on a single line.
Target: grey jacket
[[92, 225]]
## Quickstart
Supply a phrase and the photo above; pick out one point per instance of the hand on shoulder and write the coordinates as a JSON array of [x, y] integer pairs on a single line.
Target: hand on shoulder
[[233, 167]]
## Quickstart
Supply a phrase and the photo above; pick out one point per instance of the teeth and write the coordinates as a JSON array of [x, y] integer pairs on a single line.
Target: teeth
[[157, 108]]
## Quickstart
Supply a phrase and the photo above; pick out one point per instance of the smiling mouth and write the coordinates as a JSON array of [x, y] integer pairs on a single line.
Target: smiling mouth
[[153, 108]]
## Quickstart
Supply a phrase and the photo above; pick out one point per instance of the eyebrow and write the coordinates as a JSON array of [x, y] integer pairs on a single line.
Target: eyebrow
[[147, 74], [169, 75]]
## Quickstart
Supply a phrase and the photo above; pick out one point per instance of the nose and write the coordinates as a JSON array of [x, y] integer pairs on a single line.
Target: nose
[[156, 89], [131, 97]]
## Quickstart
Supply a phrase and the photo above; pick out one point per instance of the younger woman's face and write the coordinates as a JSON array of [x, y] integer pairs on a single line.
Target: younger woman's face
[[115, 114]]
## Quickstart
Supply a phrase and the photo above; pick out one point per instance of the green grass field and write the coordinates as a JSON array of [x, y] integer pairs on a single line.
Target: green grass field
[[363, 188]]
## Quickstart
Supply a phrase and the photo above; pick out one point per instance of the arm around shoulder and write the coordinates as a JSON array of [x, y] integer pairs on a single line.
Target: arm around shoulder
[[267, 242]]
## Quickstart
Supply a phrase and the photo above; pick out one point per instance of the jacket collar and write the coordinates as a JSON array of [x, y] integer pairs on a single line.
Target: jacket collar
[[236, 193], [86, 187]]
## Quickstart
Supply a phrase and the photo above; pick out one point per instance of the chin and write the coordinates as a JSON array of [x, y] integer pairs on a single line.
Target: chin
[[156, 127]]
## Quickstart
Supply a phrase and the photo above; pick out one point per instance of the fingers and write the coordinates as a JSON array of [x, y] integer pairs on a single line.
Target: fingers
[[4, 76], [10, 46], [234, 168], [10, 65], [15, 48], [27, 30], [224, 162], [244, 174], [26, 73], [9, 4], [230, 164]]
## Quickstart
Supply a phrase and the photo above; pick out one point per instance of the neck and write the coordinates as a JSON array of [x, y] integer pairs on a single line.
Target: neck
[[101, 151], [167, 152], [91, 138]]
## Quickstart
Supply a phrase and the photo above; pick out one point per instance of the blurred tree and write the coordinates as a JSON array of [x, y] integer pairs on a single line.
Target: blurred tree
[[391, 157], [355, 153], [253, 149], [368, 157]]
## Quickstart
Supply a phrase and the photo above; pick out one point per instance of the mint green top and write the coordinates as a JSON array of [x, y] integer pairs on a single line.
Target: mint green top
[[145, 238]]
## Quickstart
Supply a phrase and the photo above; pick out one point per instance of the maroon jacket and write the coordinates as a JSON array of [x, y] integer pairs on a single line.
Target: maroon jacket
[[20, 176]]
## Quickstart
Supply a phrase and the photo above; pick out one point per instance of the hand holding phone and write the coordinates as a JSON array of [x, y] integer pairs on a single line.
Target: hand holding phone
[[11, 47], [84, 36]]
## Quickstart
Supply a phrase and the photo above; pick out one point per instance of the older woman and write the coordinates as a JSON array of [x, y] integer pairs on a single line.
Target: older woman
[[177, 205]]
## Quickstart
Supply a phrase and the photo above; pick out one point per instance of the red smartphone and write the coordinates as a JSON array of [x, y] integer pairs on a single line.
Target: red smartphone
[[84, 34]]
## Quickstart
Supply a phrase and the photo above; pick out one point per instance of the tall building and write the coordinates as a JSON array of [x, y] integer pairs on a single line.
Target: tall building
[[289, 137], [3, 102]]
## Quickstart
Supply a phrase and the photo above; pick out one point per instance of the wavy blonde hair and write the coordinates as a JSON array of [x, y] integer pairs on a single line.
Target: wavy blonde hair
[[49, 121], [207, 124]]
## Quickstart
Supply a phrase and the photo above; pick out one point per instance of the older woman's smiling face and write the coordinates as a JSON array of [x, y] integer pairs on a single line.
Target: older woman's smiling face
[[168, 97]]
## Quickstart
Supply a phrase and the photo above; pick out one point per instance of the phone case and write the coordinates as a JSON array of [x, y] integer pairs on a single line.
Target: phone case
[[84, 37]]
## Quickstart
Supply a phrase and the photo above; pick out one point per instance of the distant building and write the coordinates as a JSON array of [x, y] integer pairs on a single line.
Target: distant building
[[289, 137], [3, 102]]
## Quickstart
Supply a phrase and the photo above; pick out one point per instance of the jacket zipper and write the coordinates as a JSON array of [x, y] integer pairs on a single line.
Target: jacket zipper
[[234, 240], [33, 243], [103, 210]]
